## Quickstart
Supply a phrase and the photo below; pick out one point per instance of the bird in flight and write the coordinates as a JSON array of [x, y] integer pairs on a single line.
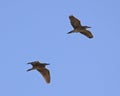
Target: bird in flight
[[76, 24], [40, 67]]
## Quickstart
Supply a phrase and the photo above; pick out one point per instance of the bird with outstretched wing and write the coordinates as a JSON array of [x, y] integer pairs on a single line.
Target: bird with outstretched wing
[[76, 24], [40, 67]]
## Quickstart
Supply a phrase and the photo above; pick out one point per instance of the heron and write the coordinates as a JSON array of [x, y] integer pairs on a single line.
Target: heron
[[78, 28], [40, 67]]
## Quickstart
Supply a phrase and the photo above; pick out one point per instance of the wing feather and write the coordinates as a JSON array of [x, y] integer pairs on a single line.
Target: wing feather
[[74, 22], [45, 73], [86, 33]]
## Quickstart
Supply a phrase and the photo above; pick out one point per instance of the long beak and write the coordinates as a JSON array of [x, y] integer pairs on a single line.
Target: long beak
[[89, 27], [29, 62], [30, 69], [46, 63], [70, 32]]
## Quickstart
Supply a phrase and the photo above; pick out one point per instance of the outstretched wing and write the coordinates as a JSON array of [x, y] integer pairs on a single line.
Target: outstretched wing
[[45, 73], [86, 33], [74, 22]]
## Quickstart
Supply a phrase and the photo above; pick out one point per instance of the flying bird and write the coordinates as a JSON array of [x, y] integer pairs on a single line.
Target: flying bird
[[76, 24], [40, 67]]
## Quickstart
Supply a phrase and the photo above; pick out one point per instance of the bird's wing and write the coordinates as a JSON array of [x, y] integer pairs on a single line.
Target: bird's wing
[[45, 73], [86, 33], [74, 22]]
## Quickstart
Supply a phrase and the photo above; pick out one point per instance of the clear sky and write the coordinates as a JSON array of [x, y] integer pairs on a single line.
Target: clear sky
[[33, 30]]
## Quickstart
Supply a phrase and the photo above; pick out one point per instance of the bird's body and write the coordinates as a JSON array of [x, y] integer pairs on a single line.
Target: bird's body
[[78, 28], [40, 67]]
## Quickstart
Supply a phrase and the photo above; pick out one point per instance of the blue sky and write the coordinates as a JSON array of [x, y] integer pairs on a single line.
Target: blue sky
[[33, 30]]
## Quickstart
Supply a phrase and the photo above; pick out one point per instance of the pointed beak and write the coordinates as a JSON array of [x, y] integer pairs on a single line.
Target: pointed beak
[[89, 27], [70, 32], [30, 69], [46, 63], [29, 62]]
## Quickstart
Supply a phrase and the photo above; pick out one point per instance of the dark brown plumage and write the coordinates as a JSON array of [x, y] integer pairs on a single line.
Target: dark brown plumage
[[40, 67], [79, 28]]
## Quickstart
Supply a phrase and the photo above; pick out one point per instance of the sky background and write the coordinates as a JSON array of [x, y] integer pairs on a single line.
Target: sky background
[[33, 30]]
